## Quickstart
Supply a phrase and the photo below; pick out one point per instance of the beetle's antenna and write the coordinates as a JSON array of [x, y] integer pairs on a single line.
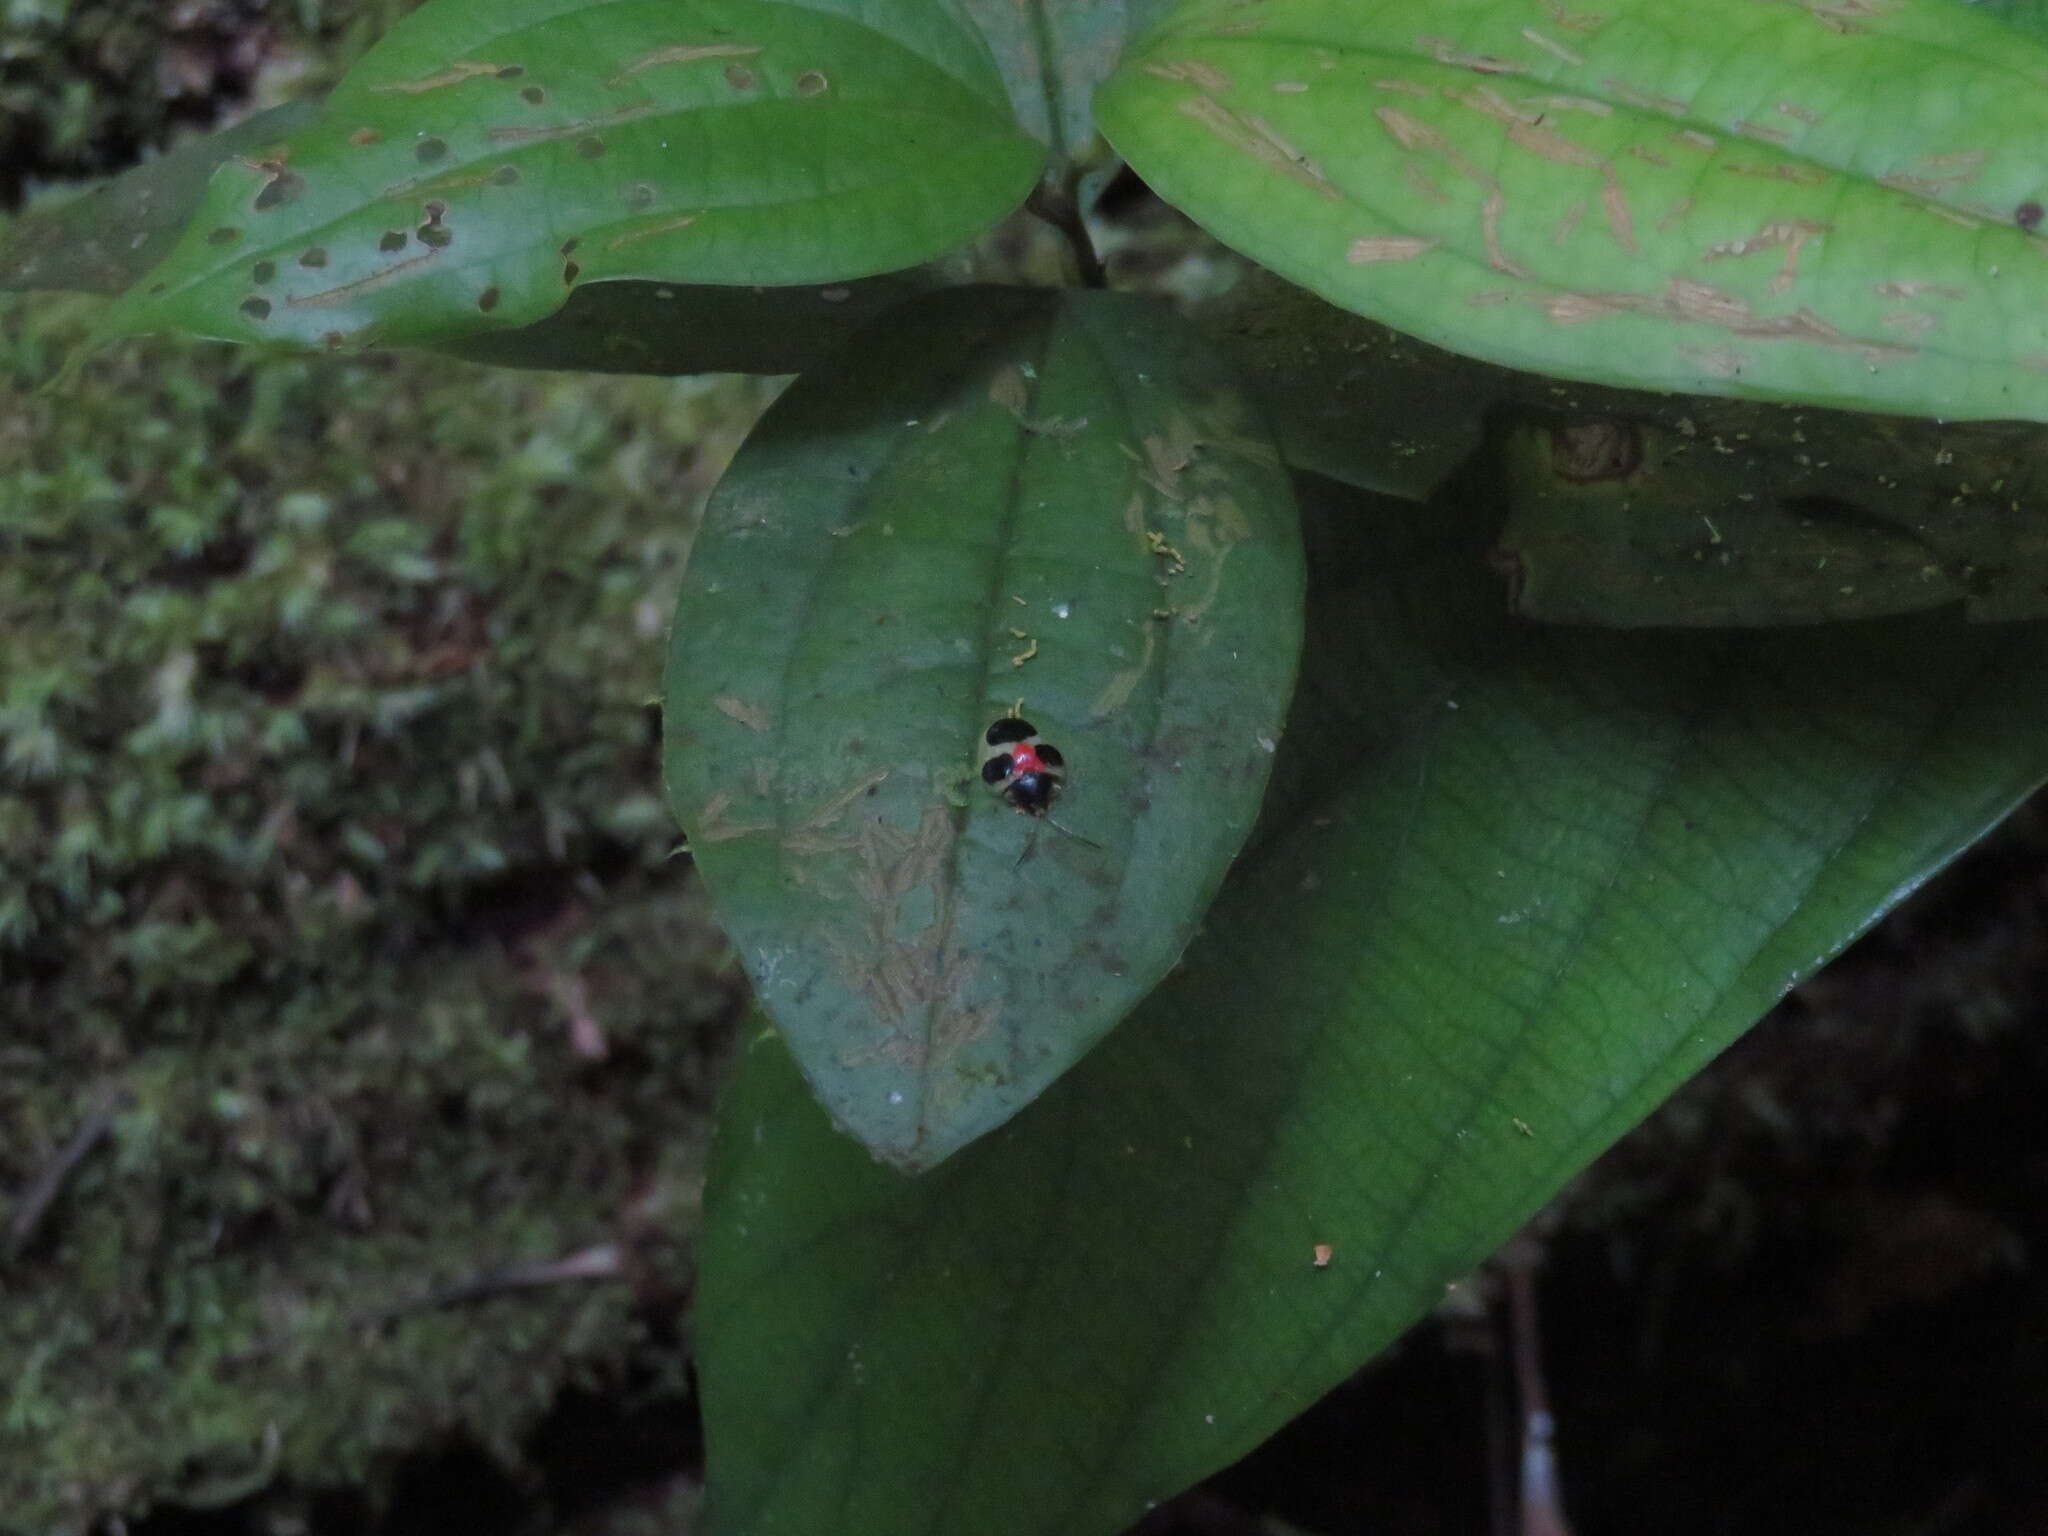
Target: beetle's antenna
[[1077, 837]]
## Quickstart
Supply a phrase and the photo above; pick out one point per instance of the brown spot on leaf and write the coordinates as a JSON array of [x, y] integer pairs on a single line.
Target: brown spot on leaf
[[511, 71], [362, 138], [1257, 138], [2027, 215], [753, 716], [682, 53], [488, 300], [1554, 48], [590, 147], [1445, 51], [454, 74], [328, 297], [739, 77], [570, 272], [1378, 248]]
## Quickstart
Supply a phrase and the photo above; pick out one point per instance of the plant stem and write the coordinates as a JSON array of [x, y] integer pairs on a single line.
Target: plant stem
[[1056, 205]]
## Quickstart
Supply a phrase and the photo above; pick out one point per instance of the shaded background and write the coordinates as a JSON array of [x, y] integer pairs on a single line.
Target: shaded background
[[336, 889]]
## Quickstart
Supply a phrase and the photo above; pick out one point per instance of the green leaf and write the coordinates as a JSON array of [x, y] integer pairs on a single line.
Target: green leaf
[[482, 161], [1521, 884], [992, 496], [1054, 53], [1807, 202], [104, 240], [668, 328]]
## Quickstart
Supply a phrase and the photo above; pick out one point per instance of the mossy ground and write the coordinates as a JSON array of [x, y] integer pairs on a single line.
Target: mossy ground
[[331, 841]]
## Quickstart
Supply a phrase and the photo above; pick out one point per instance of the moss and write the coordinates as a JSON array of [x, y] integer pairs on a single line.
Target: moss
[[330, 835]]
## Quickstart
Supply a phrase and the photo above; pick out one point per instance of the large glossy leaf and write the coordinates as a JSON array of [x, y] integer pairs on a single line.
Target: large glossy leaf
[[104, 239], [992, 496], [1818, 202], [484, 160], [1521, 883]]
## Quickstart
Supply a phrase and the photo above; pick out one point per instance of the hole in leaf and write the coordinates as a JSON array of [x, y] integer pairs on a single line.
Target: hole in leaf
[[569, 245], [639, 195], [435, 236], [511, 71], [223, 236], [533, 95], [256, 309], [505, 176], [570, 272], [427, 151], [811, 83], [313, 256], [282, 188], [590, 146], [264, 271], [487, 300], [392, 240], [739, 78], [435, 209]]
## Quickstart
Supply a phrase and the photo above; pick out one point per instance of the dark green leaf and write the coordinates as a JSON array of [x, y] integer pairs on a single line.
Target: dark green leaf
[[105, 240], [1713, 198], [1558, 872], [640, 327], [1617, 522], [993, 495], [481, 162]]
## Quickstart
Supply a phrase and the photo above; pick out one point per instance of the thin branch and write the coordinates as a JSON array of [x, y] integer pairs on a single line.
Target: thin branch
[[43, 1190]]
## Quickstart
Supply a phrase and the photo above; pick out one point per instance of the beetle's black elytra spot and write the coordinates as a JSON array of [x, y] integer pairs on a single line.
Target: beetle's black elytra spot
[[997, 769], [1009, 729]]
